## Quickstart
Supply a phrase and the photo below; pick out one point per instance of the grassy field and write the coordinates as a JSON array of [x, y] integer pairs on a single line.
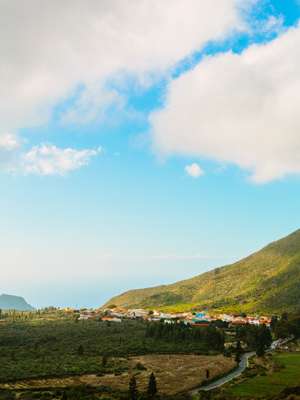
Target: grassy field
[[273, 383], [174, 373], [62, 347]]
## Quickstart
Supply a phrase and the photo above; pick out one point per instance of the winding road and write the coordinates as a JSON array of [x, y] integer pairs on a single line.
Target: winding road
[[240, 369], [243, 364]]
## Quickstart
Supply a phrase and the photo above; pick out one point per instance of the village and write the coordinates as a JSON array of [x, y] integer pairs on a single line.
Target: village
[[197, 318]]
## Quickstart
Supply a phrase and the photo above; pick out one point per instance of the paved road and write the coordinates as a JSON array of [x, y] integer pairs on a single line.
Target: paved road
[[241, 368], [234, 374]]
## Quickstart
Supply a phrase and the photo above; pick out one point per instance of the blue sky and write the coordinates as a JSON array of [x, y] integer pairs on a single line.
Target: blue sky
[[132, 156]]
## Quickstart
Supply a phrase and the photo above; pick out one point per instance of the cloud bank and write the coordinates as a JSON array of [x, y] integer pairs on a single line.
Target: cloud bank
[[51, 49], [238, 108]]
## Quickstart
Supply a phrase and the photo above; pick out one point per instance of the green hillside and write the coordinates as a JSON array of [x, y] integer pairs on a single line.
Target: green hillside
[[9, 302], [266, 281]]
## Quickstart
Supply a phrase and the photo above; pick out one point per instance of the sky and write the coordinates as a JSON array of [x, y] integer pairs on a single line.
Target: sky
[[143, 142]]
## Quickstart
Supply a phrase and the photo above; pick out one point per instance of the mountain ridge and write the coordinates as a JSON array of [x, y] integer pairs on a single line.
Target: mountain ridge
[[11, 302], [266, 281]]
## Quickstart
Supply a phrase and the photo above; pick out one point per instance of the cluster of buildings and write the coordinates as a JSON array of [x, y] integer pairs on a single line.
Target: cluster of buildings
[[118, 314]]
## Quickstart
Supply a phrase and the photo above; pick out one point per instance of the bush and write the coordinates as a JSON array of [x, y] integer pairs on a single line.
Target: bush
[[139, 366]]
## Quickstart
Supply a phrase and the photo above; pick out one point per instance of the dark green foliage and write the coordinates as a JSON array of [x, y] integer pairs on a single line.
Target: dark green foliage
[[257, 338], [238, 351], [237, 357], [7, 395], [133, 393], [274, 321], [208, 337], [83, 392], [104, 361], [287, 326], [60, 347], [80, 350], [260, 350], [152, 387], [140, 367]]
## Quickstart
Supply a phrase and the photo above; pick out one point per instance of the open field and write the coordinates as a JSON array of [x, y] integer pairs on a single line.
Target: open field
[[174, 373], [287, 375], [64, 347]]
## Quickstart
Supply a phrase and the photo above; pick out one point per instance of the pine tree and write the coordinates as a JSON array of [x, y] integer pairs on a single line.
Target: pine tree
[[238, 352], [104, 361], [207, 374], [260, 350], [80, 350], [64, 396], [152, 388], [133, 393]]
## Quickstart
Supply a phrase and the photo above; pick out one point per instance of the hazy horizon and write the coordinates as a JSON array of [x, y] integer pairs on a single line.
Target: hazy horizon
[[93, 295]]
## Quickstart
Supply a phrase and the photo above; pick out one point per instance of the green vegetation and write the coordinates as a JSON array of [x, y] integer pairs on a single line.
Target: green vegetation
[[64, 346], [288, 325], [256, 338], [54, 344], [287, 374], [210, 337], [82, 393], [267, 281], [152, 387], [133, 393]]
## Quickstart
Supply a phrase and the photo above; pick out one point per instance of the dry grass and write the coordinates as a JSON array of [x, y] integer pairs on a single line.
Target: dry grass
[[174, 374]]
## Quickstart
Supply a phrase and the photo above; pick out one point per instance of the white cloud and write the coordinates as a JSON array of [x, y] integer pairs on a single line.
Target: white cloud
[[9, 149], [8, 142], [194, 170], [241, 109], [92, 104], [51, 49], [48, 159]]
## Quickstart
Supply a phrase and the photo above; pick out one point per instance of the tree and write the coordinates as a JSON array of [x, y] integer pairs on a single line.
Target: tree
[[238, 346], [80, 350], [237, 357], [133, 393], [274, 321], [64, 396], [152, 387], [263, 340], [104, 361], [207, 374], [284, 316], [260, 350], [238, 351]]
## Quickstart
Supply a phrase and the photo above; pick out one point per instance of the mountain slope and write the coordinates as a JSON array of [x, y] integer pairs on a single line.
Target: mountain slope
[[266, 281], [8, 302]]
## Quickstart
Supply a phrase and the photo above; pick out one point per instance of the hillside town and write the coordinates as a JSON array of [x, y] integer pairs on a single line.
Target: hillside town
[[198, 318]]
